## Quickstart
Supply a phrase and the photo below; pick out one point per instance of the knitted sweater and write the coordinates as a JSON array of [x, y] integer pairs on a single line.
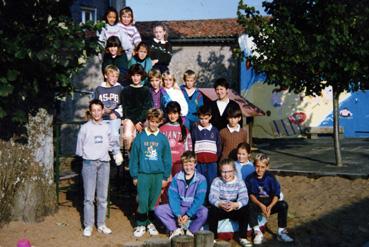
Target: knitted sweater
[[132, 33], [206, 144], [267, 186], [230, 142], [161, 51], [115, 30], [136, 101]]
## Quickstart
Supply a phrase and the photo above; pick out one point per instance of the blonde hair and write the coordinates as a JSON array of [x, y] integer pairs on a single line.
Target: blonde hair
[[189, 73], [155, 113], [155, 73], [111, 69], [188, 156], [261, 157], [168, 74]]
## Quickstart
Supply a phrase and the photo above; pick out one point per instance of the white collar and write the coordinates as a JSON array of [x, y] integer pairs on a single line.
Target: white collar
[[205, 128], [163, 42], [148, 132], [235, 129]]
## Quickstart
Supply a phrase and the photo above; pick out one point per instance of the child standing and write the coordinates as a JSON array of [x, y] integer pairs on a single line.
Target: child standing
[[171, 92], [161, 49], [115, 55], [206, 144], [108, 92], [233, 134], [93, 146], [155, 88], [136, 101], [228, 199], [243, 164], [186, 198], [264, 190], [127, 26], [193, 97], [141, 57], [149, 167]]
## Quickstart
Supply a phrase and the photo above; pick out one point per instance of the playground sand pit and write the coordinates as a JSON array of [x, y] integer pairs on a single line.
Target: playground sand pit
[[326, 211]]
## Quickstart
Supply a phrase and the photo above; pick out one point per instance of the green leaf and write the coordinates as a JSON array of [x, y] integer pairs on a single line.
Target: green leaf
[[12, 75], [2, 112]]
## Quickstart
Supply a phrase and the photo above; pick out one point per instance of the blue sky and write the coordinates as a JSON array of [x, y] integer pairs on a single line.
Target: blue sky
[[150, 10]]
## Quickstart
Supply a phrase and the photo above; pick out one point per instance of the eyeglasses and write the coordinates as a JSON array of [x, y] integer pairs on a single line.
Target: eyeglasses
[[225, 172]]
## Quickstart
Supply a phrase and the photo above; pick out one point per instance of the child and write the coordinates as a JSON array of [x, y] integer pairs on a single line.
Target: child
[[161, 49], [228, 199], [141, 57], [155, 87], [149, 167], [127, 26], [171, 92], [264, 190], [193, 97], [186, 197], [206, 144], [243, 164], [136, 101], [109, 93], [112, 29], [220, 106], [233, 134], [93, 146], [115, 55]]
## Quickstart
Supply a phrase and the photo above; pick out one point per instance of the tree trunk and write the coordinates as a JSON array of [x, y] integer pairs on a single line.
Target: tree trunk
[[336, 126]]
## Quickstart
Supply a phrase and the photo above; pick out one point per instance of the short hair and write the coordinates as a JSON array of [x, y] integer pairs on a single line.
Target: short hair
[[114, 41], [189, 73], [144, 45], [137, 69], [127, 10], [188, 156], [111, 68], [95, 102], [227, 161], [155, 73], [155, 113], [261, 157], [204, 110], [233, 112], [221, 82], [111, 9], [244, 145]]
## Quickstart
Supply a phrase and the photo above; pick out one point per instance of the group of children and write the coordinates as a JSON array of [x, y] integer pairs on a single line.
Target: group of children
[[177, 145]]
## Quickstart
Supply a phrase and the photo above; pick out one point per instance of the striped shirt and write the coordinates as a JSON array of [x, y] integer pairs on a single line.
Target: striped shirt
[[233, 191], [132, 33]]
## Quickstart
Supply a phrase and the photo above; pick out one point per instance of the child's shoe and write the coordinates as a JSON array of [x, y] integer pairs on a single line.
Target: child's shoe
[[283, 236], [104, 229], [176, 232], [189, 233], [258, 239], [152, 229], [87, 232], [118, 158], [139, 231], [245, 243]]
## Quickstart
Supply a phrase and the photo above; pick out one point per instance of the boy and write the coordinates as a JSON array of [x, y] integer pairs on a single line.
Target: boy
[[193, 97], [206, 144], [187, 193], [264, 190], [220, 106], [155, 89], [149, 166], [93, 146], [233, 134], [108, 92]]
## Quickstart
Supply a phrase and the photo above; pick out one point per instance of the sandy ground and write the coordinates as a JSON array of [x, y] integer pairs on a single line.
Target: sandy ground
[[328, 211]]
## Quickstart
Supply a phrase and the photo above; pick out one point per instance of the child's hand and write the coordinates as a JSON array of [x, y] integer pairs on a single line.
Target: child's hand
[[182, 220], [269, 210], [107, 111], [164, 183], [264, 210], [135, 182], [113, 116], [138, 126], [155, 61]]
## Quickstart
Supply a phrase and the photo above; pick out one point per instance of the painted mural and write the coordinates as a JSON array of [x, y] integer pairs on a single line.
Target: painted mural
[[287, 114]]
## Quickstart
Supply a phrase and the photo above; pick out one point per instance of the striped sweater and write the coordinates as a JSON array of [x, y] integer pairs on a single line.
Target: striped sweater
[[206, 144], [132, 33], [233, 191]]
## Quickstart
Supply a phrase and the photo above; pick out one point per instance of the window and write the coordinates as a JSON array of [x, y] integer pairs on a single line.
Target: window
[[88, 14]]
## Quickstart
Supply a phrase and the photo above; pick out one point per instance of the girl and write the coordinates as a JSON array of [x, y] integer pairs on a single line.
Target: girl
[[127, 26], [136, 101], [228, 199], [161, 49], [112, 29], [115, 55], [171, 92], [244, 166], [141, 57]]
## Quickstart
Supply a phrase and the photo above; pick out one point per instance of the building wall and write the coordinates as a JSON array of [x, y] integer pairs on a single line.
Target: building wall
[[100, 6]]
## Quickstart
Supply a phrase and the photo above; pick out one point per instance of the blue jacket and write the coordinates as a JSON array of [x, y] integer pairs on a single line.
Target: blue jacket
[[191, 196]]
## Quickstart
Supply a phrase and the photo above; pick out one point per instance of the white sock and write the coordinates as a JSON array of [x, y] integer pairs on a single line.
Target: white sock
[[280, 230], [256, 229]]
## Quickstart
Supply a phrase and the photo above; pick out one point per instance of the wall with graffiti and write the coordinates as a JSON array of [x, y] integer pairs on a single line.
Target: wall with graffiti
[[288, 113]]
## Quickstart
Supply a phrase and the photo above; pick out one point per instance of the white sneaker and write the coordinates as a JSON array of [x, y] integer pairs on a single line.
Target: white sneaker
[[176, 232], [104, 229], [258, 239], [118, 158], [245, 243], [87, 232], [283, 236], [189, 233], [152, 229], [139, 231]]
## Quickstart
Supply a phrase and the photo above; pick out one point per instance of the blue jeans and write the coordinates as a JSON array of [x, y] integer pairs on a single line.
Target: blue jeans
[[114, 125], [95, 174]]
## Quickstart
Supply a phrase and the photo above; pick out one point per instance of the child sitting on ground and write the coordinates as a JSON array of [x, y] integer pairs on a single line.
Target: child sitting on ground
[[187, 194], [264, 190]]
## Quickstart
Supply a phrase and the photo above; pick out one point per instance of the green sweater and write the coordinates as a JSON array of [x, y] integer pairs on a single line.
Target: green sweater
[[136, 101], [150, 154]]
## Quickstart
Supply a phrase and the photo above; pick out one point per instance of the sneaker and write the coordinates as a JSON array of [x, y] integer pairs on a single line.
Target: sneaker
[[258, 239], [87, 232], [139, 231], [283, 236], [245, 243], [176, 232], [189, 233], [152, 229], [118, 157], [104, 229]]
